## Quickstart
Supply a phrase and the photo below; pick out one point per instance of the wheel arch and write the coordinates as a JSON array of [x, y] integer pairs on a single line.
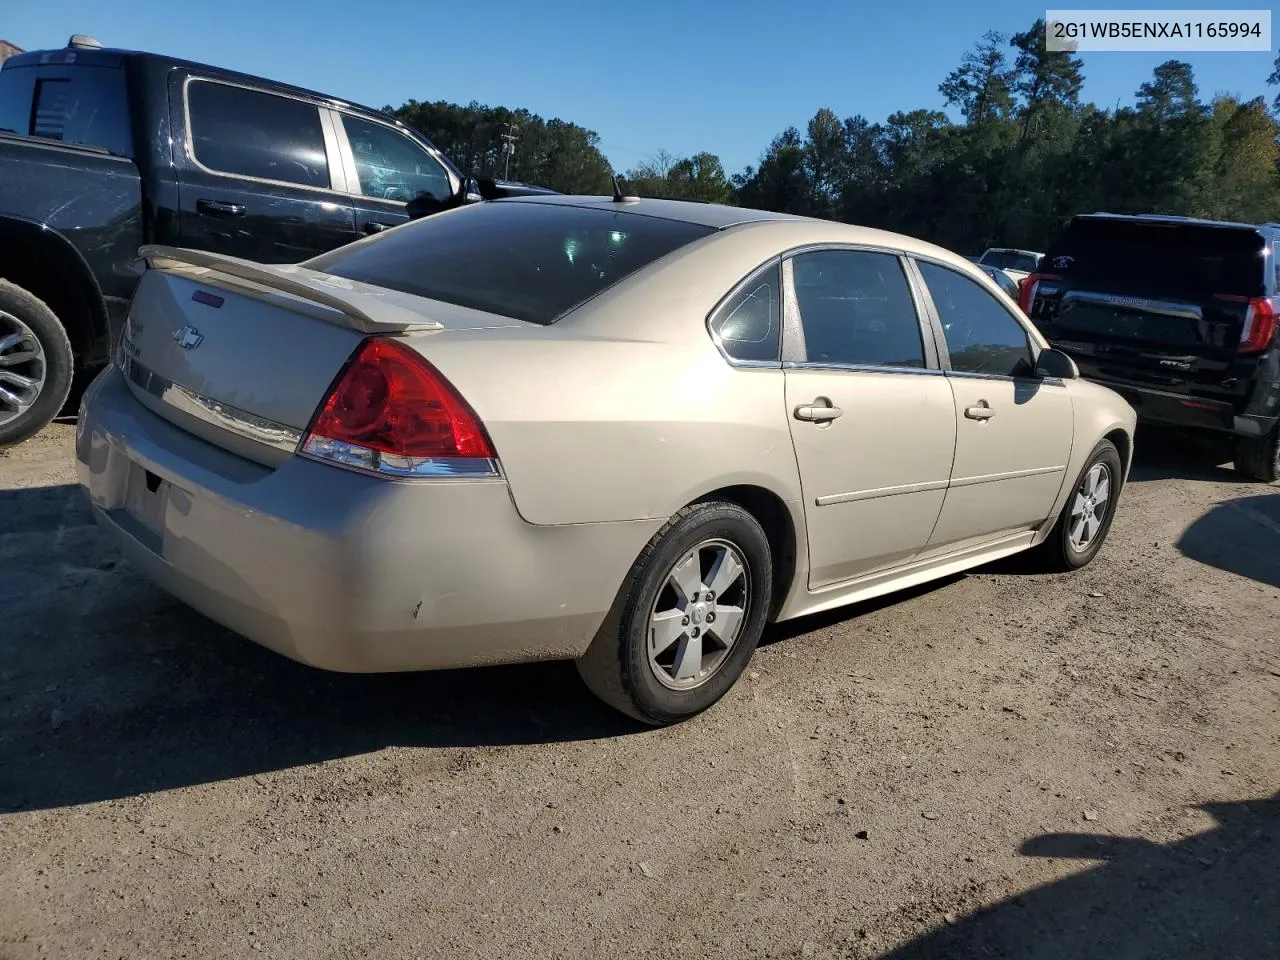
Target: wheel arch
[[1124, 446], [48, 266], [780, 527]]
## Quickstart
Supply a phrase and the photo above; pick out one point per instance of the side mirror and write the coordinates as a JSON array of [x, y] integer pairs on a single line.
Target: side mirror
[[487, 188], [1055, 363]]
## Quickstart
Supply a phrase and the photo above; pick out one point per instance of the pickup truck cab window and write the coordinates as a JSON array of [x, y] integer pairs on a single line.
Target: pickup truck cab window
[[84, 103], [249, 133], [391, 166]]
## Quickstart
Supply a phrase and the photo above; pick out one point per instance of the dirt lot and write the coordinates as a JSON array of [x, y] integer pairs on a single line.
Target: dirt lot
[[999, 765]]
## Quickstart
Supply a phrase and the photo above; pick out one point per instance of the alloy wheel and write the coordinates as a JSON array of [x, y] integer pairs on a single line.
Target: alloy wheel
[[698, 615], [1089, 508], [22, 367]]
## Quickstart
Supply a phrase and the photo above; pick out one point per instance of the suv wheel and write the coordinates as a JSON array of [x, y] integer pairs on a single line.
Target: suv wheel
[[1258, 458], [36, 364]]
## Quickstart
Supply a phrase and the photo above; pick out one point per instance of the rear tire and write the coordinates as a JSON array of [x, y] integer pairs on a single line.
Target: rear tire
[[1066, 548], [1258, 458], [635, 665], [36, 364]]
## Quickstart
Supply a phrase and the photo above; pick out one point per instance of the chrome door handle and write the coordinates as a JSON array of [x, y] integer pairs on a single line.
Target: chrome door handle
[[818, 412], [982, 411]]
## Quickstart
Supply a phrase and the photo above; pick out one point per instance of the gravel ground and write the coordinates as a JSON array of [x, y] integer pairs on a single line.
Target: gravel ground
[[1001, 764]]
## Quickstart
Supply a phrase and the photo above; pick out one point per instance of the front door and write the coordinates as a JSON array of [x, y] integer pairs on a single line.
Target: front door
[[255, 174], [390, 169], [872, 418], [1013, 431]]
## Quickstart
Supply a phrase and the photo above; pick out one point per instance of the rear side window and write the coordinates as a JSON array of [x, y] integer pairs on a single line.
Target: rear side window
[[254, 134], [747, 327], [1159, 258], [83, 104], [856, 308], [530, 261]]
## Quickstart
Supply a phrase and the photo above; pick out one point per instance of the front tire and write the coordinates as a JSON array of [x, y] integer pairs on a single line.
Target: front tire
[[688, 616], [1086, 517], [36, 364], [1258, 458]]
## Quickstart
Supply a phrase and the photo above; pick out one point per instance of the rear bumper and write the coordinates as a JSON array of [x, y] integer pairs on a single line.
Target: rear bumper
[[1178, 409], [340, 570]]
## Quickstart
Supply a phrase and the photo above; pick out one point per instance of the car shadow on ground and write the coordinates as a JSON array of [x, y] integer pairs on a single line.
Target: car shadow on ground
[[1214, 894], [789, 629], [110, 688], [1241, 536], [1162, 453]]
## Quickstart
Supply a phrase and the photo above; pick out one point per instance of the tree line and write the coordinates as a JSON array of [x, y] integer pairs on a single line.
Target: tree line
[[1026, 155]]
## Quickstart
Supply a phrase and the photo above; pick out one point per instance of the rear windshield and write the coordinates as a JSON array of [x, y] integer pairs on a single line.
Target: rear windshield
[[1009, 260], [1172, 259], [77, 103], [531, 261]]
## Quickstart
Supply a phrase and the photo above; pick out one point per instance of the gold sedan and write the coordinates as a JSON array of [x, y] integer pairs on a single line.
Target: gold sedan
[[625, 432]]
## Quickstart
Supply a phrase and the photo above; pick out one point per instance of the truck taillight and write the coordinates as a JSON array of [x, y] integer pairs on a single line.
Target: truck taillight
[[392, 413], [1027, 289], [1259, 325]]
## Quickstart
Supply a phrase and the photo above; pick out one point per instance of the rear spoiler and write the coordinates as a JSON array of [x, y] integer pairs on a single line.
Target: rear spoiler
[[358, 306]]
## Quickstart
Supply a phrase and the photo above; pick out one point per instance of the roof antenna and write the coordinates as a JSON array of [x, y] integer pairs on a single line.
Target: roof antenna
[[618, 195]]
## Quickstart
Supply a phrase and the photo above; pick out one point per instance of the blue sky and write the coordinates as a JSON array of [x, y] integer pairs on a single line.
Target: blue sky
[[681, 76]]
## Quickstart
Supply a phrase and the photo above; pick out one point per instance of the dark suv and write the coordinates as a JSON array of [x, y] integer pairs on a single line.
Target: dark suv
[[1177, 315]]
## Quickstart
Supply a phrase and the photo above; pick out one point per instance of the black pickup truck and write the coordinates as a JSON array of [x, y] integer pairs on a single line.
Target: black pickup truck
[[104, 150]]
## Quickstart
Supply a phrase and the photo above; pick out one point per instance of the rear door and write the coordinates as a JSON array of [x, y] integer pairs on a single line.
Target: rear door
[[1157, 304], [385, 169], [259, 174], [872, 418]]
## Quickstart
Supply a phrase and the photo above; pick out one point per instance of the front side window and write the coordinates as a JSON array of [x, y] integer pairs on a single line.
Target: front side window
[[748, 326], [516, 258], [391, 166], [856, 308], [981, 335], [255, 134]]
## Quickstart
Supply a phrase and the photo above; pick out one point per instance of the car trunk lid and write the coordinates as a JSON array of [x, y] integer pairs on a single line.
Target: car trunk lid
[[242, 354]]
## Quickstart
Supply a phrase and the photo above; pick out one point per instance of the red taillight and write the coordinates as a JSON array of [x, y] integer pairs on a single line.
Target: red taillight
[[1027, 289], [392, 412], [1260, 322]]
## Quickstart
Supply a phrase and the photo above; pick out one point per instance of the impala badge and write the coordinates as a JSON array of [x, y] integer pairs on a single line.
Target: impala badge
[[188, 338]]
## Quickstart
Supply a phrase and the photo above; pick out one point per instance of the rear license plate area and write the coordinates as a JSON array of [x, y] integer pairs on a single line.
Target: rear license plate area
[[146, 498]]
